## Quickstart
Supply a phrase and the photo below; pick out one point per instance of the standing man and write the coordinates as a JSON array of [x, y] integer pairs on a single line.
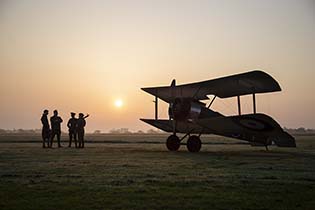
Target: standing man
[[72, 126], [80, 129], [45, 129], [55, 121]]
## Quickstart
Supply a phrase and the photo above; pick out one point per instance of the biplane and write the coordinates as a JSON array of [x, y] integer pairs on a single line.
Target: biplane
[[190, 116]]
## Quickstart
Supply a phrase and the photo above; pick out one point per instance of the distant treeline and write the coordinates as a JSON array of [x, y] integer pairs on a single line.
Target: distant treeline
[[112, 131], [298, 131]]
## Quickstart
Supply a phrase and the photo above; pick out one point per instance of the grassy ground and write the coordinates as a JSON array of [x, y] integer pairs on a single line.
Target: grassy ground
[[138, 173]]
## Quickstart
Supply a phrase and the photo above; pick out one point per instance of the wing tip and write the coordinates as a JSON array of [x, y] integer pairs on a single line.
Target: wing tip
[[269, 77], [147, 90]]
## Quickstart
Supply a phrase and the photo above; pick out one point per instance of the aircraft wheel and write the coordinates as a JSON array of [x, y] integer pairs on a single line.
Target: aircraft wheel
[[193, 144], [173, 143]]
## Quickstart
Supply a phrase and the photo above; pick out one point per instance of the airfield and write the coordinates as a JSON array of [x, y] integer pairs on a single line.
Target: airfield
[[137, 172]]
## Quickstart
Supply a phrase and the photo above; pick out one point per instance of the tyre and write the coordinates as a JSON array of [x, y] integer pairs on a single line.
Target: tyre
[[173, 143], [193, 144]]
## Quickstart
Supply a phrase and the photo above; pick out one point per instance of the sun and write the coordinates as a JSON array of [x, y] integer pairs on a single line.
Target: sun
[[119, 103]]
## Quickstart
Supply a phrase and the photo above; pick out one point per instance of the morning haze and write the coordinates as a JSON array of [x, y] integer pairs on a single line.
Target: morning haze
[[84, 56]]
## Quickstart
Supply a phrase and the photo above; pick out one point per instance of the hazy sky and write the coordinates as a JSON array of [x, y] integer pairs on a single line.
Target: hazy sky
[[83, 55]]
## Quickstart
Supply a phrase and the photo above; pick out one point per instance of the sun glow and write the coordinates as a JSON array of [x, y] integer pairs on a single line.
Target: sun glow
[[119, 103]]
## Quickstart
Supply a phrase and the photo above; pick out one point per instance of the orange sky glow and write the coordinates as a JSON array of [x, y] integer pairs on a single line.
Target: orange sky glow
[[83, 56]]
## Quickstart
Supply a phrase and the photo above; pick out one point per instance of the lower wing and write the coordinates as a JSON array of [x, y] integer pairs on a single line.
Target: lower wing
[[181, 126]]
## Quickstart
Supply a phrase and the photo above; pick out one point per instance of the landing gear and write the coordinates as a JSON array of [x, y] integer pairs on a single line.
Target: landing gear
[[193, 144], [173, 143]]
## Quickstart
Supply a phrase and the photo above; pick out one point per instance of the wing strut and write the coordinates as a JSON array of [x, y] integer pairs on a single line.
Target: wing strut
[[239, 105], [173, 86], [254, 103], [211, 102], [156, 107]]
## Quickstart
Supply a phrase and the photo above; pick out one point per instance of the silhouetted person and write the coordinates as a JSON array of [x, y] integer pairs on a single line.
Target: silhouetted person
[[45, 129], [55, 121], [80, 129], [72, 125]]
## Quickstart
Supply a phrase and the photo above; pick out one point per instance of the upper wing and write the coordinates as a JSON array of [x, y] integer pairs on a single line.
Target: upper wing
[[224, 87]]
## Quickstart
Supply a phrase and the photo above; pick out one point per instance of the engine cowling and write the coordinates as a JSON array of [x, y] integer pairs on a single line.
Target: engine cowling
[[184, 109]]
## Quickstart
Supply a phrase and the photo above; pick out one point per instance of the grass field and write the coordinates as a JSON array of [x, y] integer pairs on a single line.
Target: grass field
[[137, 172]]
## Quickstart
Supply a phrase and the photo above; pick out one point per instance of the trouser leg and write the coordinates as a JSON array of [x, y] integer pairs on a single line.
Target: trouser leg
[[51, 139], [80, 139], [48, 138], [58, 138], [44, 139], [70, 138], [75, 139], [47, 141]]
